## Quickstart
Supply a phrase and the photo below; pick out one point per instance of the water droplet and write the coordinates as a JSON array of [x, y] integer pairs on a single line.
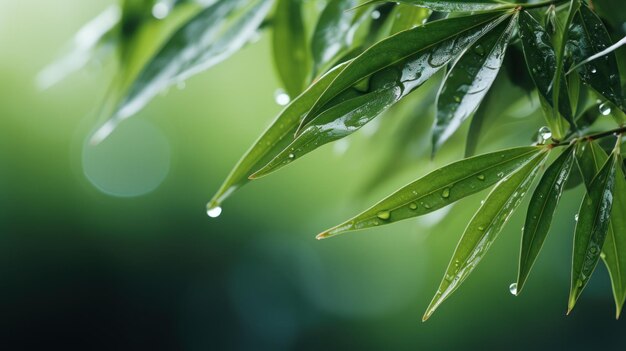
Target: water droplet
[[445, 193], [281, 97], [481, 228], [413, 206], [214, 212], [513, 289], [593, 70], [481, 177], [384, 215], [576, 217], [160, 10], [602, 255], [376, 14], [545, 133], [457, 98], [291, 156], [605, 108]]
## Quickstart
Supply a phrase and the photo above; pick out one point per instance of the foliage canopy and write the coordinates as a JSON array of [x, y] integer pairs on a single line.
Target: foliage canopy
[[345, 62]]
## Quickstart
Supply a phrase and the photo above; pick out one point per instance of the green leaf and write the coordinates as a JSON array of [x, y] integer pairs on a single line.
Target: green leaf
[[335, 123], [588, 36], [456, 5], [592, 227], [291, 46], [541, 210], [541, 62], [557, 92], [591, 157], [93, 40], [469, 80], [440, 188], [274, 139], [485, 227], [416, 55], [335, 32], [205, 40], [407, 17]]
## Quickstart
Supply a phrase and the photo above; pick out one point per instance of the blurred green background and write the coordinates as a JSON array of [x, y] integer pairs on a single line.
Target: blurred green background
[[109, 247]]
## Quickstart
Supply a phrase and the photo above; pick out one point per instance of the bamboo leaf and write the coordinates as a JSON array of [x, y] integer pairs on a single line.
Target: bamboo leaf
[[416, 55], [590, 158], [592, 227], [456, 5], [485, 227], [290, 43], [587, 37], [206, 39], [469, 80], [440, 188], [274, 139], [335, 32], [541, 210], [542, 63]]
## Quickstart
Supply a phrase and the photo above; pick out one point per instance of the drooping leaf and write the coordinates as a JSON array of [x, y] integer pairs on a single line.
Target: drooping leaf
[[274, 139], [208, 38], [335, 123], [541, 62], [455, 5], [416, 55], [591, 228], [591, 157], [290, 43], [389, 70], [469, 80], [485, 227], [440, 188], [335, 32], [557, 92], [587, 37], [92, 41], [541, 210]]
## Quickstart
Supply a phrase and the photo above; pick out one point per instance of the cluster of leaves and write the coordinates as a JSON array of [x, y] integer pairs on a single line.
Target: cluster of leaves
[[347, 61]]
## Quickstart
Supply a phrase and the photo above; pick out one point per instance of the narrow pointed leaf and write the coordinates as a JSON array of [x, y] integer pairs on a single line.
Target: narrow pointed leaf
[[557, 92], [456, 5], [588, 36], [484, 228], [541, 62], [591, 157], [592, 228], [335, 32], [416, 55], [469, 80], [206, 39], [290, 46], [274, 139], [335, 123], [541, 210], [440, 188]]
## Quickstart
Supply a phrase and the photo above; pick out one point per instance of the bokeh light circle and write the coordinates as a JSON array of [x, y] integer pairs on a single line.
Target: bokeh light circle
[[133, 161]]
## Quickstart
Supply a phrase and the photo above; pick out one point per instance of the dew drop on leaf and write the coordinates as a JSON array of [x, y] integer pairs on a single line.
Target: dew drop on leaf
[[160, 10], [445, 193], [513, 288], [544, 134], [214, 212], [481, 177], [384, 215], [413, 206], [604, 109], [281, 97]]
